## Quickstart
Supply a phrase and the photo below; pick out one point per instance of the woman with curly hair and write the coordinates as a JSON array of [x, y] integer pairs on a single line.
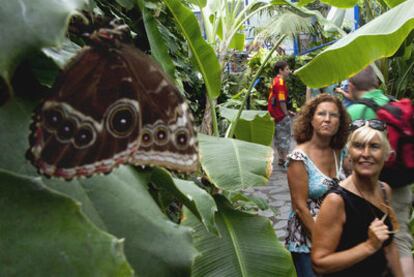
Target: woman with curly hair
[[321, 131]]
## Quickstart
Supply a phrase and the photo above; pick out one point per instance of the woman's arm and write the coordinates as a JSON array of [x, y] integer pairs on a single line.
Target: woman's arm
[[327, 234], [298, 186], [393, 258]]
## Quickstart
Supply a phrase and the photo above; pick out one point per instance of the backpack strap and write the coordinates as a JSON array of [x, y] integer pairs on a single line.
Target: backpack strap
[[395, 111], [369, 103]]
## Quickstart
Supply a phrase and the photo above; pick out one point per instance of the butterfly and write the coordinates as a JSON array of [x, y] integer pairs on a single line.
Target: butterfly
[[111, 105]]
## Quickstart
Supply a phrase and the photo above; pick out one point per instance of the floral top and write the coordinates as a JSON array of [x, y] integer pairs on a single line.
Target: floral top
[[318, 185]]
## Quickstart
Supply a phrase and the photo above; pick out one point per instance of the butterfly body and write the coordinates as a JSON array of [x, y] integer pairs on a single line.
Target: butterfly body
[[112, 105]]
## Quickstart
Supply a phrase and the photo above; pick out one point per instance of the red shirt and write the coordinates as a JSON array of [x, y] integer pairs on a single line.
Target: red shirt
[[278, 93]]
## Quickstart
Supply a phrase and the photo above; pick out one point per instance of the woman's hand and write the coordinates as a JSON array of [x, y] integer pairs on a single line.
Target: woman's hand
[[377, 234]]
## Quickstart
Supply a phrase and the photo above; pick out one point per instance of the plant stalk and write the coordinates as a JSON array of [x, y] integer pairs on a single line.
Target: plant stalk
[[233, 124], [213, 116]]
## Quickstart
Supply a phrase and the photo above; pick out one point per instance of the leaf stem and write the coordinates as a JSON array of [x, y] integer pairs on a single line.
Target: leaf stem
[[233, 124]]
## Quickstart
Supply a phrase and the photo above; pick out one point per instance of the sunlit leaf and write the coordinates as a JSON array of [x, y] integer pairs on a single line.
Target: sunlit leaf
[[253, 126], [202, 53], [199, 3], [233, 164], [393, 3], [379, 38], [237, 42], [247, 247], [341, 3]]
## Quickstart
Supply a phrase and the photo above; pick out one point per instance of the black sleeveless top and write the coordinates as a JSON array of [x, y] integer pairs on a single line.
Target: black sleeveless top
[[359, 215]]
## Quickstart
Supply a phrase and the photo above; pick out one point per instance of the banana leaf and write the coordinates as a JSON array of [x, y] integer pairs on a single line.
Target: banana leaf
[[203, 54], [233, 164], [379, 38], [247, 247], [28, 25], [253, 126], [44, 233], [193, 197]]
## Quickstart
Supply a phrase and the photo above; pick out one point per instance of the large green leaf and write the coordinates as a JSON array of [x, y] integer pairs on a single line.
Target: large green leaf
[[118, 203], [200, 203], [154, 245], [304, 2], [247, 247], [203, 54], [237, 42], [159, 49], [28, 25], [43, 233], [199, 3], [341, 3], [377, 39], [253, 126], [233, 164], [393, 3]]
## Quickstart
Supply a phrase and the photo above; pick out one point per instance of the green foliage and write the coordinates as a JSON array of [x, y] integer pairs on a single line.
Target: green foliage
[[400, 78], [241, 164], [393, 3], [381, 37], [202, 53], [106, 201], [253, 126], [234, 253], [55, 226], [196, 199], [23, 29], [89, 220], [296, 87]]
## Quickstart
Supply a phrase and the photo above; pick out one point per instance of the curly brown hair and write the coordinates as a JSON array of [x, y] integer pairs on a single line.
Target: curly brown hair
[[302, 127]]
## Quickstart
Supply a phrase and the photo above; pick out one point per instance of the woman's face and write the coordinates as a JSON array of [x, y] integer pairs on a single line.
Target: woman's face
[[367, 158], [325, 120]]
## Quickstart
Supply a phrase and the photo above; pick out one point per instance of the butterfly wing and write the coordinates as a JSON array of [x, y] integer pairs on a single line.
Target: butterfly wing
[[112, 106], [92, 121], [168, 138]]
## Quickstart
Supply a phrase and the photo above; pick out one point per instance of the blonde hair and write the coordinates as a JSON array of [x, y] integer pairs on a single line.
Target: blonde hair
[[365, 134]]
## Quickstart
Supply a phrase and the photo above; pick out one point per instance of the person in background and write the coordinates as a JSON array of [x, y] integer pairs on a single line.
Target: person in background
[[320, 130], [313, 92], [344, 91], [364, 85], [353, 232], [278, 102]]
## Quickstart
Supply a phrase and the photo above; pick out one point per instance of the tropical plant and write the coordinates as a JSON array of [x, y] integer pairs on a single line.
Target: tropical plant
[[386, 34], [118, 225]]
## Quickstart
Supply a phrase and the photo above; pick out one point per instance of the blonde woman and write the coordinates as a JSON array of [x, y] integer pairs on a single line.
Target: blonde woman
[[353, 234]]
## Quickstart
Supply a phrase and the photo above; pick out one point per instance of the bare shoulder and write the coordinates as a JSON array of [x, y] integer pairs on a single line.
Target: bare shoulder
[[333, 200], [333, 208], [296, 169]]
